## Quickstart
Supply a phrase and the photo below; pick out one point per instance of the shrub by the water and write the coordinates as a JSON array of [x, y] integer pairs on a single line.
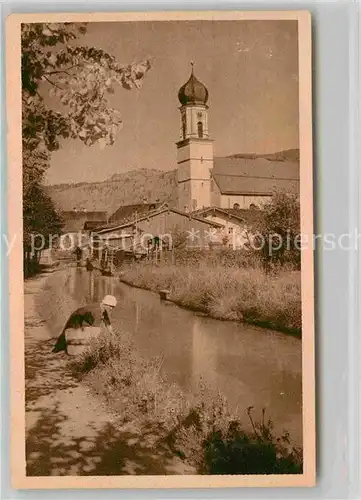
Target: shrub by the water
[[212, 439], [233, 451]]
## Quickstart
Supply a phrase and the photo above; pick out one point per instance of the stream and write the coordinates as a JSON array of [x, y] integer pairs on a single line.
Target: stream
[[249, 365]]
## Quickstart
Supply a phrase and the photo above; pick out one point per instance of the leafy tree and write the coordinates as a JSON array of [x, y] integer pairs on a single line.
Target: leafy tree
[[39, 213], [279, 231], [78, 79], [40, 221]]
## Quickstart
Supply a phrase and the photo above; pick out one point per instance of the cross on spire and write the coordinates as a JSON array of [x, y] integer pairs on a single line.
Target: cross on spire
[[192, 65]]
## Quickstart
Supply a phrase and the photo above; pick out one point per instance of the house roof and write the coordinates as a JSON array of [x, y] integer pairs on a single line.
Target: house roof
[[126, 213], [154, 213], [248, 216], [89, 215], [255, 176], [203, 212], [92, 224], [74, 220]]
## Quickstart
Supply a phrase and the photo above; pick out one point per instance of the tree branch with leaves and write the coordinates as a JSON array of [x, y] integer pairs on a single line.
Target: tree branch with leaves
[[78, 79]]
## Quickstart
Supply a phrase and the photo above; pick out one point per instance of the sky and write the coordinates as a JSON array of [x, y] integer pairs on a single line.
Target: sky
[[250, 69]]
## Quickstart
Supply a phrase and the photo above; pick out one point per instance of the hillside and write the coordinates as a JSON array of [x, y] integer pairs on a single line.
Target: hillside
[[128, 188]]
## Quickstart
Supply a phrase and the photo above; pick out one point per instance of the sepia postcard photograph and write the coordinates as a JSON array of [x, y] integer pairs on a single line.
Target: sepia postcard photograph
[[160, 217]]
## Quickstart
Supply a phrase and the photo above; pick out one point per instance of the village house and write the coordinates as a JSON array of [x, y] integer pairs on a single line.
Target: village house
[[165, 226], [78, 222], [237, 224], [127, 213]]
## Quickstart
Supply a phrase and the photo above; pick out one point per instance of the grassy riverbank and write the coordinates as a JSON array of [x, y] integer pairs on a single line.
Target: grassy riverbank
[[198, 427], [238, 294]]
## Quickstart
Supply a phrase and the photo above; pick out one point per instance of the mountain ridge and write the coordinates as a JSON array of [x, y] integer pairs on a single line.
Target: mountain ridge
[[284, 155], [134, 186]]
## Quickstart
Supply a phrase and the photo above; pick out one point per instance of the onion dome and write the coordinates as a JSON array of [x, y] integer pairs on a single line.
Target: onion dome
[[193, 92]]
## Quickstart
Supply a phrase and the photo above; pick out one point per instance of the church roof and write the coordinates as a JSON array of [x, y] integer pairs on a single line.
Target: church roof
[[255, 176], [193, 92]]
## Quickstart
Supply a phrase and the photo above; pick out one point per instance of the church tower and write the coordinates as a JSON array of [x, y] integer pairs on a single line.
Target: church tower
[[195, 148]]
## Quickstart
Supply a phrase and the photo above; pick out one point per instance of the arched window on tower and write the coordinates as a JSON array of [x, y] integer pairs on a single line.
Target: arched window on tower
[[200, 129]]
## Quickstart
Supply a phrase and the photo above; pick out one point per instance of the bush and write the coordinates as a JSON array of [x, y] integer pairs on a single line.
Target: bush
[[213, 441], [236, 452], [280, 228]]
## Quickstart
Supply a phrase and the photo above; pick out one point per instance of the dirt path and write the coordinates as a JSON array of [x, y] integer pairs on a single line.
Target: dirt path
[[69, 431]]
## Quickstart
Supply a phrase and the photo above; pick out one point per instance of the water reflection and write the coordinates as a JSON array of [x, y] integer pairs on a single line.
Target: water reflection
[[250, 366], [137, 315], [204, 356], [91, 287]]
